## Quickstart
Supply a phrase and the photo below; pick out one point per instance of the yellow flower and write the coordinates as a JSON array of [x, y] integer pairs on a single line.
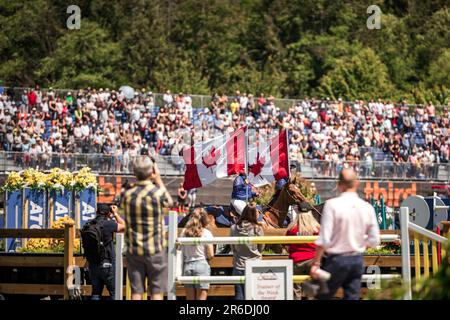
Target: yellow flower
[[14, 181]]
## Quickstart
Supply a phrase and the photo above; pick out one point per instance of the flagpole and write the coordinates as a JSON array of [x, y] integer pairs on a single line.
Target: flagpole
[[246, 162], [289, 158]]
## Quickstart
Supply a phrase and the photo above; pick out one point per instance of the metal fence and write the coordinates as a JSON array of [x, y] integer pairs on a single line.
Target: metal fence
[[174, 166], [385, 170]]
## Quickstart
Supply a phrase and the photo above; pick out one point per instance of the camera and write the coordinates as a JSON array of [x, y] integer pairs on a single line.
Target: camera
[[317, 286]]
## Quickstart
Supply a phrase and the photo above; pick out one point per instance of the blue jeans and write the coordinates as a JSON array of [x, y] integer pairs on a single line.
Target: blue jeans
[[346, 272], [101, 276], [239, 289]]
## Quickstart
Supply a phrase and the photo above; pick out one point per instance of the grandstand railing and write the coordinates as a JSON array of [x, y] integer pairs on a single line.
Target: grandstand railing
[[174, 166]]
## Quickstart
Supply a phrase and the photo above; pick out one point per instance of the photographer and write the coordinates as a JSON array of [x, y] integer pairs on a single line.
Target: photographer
[[97, 239], [147, 247]]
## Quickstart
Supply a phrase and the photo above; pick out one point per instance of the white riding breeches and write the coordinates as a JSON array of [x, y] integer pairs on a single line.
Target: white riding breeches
[[239, 205]]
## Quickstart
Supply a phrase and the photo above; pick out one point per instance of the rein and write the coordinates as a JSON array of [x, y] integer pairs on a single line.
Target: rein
[[286, 211]]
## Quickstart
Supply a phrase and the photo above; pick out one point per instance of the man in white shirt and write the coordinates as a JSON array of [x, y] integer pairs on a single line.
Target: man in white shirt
[[348, 226], [168, 99]]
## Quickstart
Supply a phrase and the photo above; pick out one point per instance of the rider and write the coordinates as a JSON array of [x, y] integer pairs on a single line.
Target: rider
[[242, 192], [279, 184]]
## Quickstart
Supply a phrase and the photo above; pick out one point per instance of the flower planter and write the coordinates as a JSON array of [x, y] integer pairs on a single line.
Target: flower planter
[[34, 208], [13, 216], [85, 206], [60, 205]]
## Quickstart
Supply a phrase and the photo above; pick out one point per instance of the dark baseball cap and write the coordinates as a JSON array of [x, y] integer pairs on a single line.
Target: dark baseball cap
[[103, 209]]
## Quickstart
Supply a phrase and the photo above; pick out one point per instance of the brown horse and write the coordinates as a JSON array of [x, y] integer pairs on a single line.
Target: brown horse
[[276, 211]]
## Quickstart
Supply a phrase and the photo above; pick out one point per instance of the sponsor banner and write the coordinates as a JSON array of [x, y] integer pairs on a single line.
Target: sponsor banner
[[85, 206], [34, 209], [60, 205], [13, 216]]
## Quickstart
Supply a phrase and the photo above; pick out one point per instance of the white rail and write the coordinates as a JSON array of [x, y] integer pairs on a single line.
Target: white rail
[[241, 279], [427, 233], [119, 266], [406, 255], [265, 240]]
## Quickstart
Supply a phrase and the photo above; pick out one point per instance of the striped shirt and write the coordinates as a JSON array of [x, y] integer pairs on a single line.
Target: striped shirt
[[142, 206]]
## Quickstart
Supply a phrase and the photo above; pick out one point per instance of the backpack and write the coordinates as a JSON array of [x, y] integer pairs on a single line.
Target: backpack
[[92, 241]]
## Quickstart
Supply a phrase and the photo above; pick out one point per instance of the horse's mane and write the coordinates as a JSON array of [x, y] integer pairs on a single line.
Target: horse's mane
[[273, 199]]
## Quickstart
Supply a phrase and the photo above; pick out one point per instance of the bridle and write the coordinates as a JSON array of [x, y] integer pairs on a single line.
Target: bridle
[[290, 195]]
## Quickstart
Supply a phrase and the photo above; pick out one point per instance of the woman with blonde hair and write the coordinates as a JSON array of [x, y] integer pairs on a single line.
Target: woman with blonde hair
[[195, 258], [302, 254]]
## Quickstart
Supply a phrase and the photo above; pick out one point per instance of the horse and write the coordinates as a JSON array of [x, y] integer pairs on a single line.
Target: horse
[[275, 213]]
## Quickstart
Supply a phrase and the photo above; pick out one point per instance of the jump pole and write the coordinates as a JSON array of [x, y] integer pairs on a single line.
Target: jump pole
[[119, 266], [172, 272], [406, 262]]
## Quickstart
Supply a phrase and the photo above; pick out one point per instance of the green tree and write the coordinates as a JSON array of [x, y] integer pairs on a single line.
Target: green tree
[[83, 57], [438, 79], [29, 30], [362, 76]]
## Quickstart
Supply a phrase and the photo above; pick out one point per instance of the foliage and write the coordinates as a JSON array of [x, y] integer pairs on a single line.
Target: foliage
[[386, 248], [92, 59], [34, 179], [56, 179], [84, 179], [13, 182], [286, 47], [266, 192], [49, 245], [362, 76], [437, 287], [389, 290], [59, 179]]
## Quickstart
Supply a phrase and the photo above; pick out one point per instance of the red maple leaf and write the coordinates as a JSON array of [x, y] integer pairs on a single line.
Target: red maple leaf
[[256, 168], [210, 160]]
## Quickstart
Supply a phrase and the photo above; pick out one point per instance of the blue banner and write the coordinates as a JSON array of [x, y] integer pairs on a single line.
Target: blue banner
[[13, 217], [34, 210], [85, 206], [60, 205]]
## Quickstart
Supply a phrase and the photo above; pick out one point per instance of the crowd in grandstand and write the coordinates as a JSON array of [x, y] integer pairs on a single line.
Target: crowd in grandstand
[[102, 121]]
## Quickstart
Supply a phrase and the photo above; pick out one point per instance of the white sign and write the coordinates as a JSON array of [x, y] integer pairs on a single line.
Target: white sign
[[268, 280], [88, 212], [36, 219]]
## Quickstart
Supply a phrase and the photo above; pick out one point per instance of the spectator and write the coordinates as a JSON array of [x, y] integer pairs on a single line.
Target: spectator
[[316, 125], [302, 254], [349, 226], [102, 268], [192, 196], [247, 226], [182, 197], [195, 258], [147, 246]]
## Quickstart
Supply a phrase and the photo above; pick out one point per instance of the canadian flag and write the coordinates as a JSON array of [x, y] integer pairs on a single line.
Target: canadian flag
[[268, 160], [216, 158]]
